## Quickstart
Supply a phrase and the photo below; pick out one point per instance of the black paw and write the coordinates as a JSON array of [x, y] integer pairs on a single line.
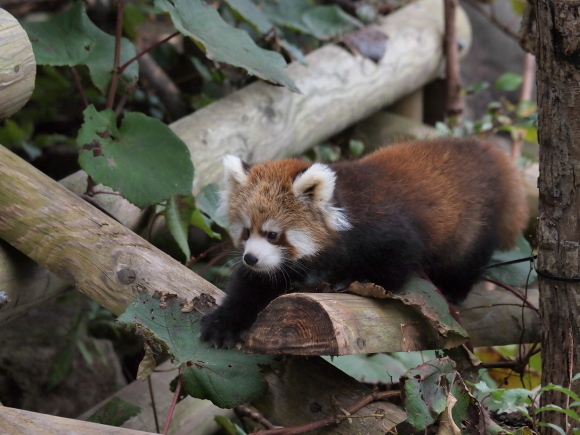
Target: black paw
[[218, 328]]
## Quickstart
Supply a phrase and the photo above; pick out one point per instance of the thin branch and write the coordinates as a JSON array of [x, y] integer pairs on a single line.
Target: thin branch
[[502, 26], [244, 411], [123, 67], [79, 86], [151, 395], [332, 420], [116, 73], [513, 291], [172, 406]]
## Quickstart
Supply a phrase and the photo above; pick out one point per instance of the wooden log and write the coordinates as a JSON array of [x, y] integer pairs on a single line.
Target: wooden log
[[17, 66], [16, 421], [85, 247], [345, 324]]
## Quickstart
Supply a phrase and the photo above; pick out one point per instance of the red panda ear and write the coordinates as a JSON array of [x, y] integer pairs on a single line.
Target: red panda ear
[[235, 172], [316, 183]]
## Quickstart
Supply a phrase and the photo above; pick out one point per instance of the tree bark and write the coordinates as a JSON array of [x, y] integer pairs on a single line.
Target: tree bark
[[558, 82]]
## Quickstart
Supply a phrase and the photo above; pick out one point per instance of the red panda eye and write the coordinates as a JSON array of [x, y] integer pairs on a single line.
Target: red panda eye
[[246, 234], [272, 236]]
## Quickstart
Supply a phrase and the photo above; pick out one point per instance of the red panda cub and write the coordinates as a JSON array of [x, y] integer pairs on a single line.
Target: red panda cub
[[440, 207]]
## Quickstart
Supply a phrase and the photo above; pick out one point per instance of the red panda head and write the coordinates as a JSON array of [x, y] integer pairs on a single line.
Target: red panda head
[[280, 211]]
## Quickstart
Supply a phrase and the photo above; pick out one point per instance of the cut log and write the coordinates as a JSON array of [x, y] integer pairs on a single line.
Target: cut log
[[345, 324], [17, 66]]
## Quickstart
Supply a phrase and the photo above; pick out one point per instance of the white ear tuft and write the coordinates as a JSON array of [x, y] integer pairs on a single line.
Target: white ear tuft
[[316, 183], [234, 172]]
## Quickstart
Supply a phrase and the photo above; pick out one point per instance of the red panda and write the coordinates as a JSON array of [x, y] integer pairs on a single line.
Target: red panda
[[440, 207]]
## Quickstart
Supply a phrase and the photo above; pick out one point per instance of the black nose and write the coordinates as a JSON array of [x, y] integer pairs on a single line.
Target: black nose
[[250, 259]]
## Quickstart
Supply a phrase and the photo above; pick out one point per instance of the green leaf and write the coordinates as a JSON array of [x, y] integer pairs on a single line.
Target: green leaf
[[115, 412], [71, 39], [288, 13], [208, 201], [476, 87], [142, 159], [227, 377], [227, 425], [200, 221], [569, 412], [177, 215], [513, 274], [425, 391], [326, 22], [553, 426], [223, 43], [508, 82], [379, 367], [356, 147], [251, 14], [560, 389]]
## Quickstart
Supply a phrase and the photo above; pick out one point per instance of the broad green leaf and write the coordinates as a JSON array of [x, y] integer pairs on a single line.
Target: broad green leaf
[[115, 412], [177, 215], [326, 22], [251, 14], [513, 274], [425, 391], [142, 159], [71, 39], [223, 43], [508, 82], [227, 425], [288, 13], [553, 426], [227, 377], [262, 24]]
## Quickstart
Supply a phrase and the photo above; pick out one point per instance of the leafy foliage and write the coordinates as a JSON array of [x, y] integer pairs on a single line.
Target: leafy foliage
[[223, 43], [227, 377], [71, 39], [517, 274]]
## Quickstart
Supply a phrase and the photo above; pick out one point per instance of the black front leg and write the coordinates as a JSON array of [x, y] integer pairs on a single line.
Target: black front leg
[[248, 293]]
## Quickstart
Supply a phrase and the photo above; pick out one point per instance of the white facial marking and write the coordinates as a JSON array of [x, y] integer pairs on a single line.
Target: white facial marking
[[303, 242], [269, 256]]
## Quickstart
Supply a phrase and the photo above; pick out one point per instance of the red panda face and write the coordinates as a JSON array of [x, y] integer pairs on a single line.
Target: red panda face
[[280, 212]]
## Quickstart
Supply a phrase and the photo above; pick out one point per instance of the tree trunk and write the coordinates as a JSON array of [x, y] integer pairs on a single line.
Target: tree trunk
[[558, 82]]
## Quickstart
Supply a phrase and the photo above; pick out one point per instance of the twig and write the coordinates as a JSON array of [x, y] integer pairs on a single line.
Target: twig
[[454, 102], [153, 403], [79, 86], [493, 19], [147, 50], [514, 291], [116, 73], [332, 420], [205, 253], [172, 406], [244, 411]]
